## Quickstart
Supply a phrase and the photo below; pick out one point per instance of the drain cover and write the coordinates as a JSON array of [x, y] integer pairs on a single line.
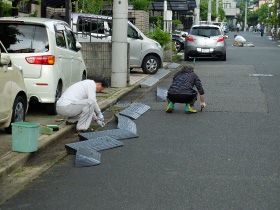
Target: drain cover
[[135, 110], [97, 144], [118, 134], [126, 123], [161, 94], [86, 157]]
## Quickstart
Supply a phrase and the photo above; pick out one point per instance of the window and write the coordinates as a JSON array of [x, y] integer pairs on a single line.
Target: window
[[131, 32], [71, 40], [91, 25], [23, 38], [60, 39], [227, 6], [205, 31]]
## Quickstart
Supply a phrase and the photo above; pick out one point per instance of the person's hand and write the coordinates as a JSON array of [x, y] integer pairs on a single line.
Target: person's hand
[[100, 117], [100, 123], [202, 105]]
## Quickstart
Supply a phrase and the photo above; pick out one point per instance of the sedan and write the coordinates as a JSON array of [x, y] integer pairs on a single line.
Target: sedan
[[178, 41], [205, 41]]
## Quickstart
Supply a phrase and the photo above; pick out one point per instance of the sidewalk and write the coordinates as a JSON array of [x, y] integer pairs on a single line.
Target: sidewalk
[[10, 161]]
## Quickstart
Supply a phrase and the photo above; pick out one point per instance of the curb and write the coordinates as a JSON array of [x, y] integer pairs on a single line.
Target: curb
[[14, 160]]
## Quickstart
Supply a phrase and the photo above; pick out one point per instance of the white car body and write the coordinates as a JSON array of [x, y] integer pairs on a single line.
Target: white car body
[[52, 40], [141, 47]]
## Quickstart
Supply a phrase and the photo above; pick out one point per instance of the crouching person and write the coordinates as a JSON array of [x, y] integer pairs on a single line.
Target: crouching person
[[79, 104], [182, 90]]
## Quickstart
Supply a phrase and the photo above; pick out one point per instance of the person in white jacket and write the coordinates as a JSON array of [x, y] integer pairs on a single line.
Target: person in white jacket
[[79, 104], [238, 40]]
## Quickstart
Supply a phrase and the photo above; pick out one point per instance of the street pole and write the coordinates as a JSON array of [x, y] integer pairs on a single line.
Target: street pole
[[164, 15], [245, 21], [197, 13], [217, 10], [209, 11], [119, 44]]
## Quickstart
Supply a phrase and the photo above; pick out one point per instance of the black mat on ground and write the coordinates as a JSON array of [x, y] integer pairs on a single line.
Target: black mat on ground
[[97, 144], [86, 157], [117, 134], [135, 110], [126, 123]]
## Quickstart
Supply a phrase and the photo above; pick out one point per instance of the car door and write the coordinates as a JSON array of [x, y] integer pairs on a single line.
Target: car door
[[64, 58], [135, 46], [76, 60], [6, 77]]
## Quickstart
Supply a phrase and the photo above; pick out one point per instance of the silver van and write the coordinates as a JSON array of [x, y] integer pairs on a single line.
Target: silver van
[[144, 52]]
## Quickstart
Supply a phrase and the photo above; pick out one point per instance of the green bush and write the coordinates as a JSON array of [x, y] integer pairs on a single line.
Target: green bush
[[162, 37], [141, 4]]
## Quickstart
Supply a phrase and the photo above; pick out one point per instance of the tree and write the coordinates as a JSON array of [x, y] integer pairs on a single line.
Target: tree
[[214, 15]]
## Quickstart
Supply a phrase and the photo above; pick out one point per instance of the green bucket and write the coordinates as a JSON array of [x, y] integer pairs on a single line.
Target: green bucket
[[25, 137]]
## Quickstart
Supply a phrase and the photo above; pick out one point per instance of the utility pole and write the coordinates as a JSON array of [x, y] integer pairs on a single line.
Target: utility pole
[[217, 10], [245, 21], [209, 11], [197, 13], [119, 44]]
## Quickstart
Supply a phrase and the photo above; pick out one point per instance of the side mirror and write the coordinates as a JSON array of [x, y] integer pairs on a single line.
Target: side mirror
[[184, 35], [5, 59], [78, 46], [226, 36]]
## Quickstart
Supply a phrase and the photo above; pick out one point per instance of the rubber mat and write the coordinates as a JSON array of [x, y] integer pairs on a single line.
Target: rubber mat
[[135, 110], [97, 144], [161, 94], [126, 123], [117, 134], [86, 157]]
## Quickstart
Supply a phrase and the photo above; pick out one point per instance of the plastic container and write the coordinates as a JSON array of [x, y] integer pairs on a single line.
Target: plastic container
[[25, 137]]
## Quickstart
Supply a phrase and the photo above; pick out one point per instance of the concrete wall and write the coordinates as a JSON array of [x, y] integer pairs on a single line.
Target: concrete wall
[[98, 60]]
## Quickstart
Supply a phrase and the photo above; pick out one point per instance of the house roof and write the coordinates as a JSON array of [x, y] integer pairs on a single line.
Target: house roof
[[173, 5]]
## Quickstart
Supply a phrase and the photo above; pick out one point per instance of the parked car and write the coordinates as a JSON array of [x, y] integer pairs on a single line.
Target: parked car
[[13, 93], [144, 52], [49, 54], [206, 41], [179, 41]]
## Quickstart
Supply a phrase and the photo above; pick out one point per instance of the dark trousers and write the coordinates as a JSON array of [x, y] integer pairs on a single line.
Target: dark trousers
[[181, 98]]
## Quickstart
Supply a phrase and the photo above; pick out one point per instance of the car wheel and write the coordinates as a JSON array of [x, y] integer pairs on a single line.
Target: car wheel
[[223, 57], [18, 114], [150, 65], [177, 45], [52, 107]]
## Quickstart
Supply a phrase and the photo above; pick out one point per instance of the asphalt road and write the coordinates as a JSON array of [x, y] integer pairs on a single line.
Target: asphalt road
[[226, 157]]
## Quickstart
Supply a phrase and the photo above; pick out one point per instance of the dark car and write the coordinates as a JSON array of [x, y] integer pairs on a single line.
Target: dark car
[[178, 41]]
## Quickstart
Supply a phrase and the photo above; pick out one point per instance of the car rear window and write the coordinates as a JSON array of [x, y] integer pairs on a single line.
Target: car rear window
[[23, 38], [205, 31]]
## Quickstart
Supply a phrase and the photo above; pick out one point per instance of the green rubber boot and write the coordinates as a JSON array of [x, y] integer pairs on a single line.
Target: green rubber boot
[[170, 107], [189, 108]]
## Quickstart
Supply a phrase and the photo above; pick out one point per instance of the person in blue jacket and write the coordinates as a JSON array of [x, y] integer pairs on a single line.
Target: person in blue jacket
[[182, 90]]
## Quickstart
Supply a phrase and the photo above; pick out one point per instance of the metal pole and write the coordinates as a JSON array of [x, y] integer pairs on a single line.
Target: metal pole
[[119, 44], [197, 13], [209, 11], [217, 10], [245, 21], [164, 15]]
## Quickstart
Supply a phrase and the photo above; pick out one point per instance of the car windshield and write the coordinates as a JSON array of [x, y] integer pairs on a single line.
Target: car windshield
[[205, 31], [22, 38]]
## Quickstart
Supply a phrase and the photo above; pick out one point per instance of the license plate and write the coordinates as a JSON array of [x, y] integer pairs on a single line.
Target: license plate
[[205, 50]]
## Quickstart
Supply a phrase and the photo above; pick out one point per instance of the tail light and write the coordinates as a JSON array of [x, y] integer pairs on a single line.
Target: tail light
[[189, 38], [41, 60], [221, 39]]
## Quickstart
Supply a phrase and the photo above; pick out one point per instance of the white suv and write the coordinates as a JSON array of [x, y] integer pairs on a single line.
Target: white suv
[[48, 53], [13, 96]]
